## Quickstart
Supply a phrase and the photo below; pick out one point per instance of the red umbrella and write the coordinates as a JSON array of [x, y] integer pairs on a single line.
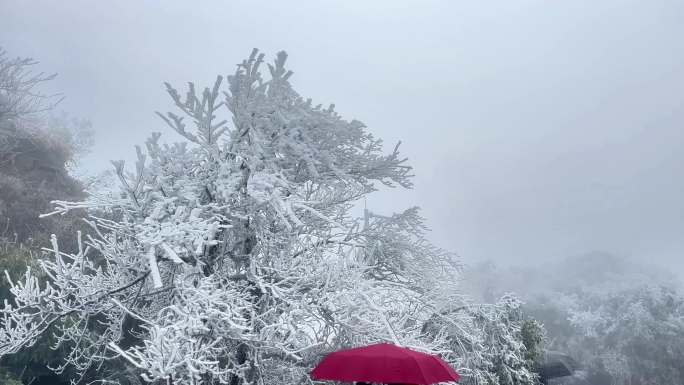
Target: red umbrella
[[384, 363]]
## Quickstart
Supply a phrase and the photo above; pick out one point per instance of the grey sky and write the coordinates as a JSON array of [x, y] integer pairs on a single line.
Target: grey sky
[[537, 129]]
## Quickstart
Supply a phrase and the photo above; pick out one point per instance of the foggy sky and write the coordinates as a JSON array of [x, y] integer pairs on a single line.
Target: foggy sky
[[537, 129]]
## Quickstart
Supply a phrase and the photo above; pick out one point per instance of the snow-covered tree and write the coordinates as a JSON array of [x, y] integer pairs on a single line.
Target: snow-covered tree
[[35, 154], [35, 158], [494, 344], [635, 334], [234, 256], [621, 319]]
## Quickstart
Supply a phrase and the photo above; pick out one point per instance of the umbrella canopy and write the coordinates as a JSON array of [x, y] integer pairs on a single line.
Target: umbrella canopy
[[384, 363]]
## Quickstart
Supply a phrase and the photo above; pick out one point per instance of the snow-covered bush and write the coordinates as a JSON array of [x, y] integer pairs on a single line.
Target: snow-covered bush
[[494, 344]]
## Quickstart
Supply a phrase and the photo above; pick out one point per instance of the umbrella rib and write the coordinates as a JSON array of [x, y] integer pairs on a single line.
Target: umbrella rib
[[420, 368]]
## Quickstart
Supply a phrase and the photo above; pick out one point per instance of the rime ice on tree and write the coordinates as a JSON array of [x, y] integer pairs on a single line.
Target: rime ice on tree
[[234, 254]]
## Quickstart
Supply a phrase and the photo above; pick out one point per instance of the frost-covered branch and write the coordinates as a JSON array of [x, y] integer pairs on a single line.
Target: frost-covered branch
[[18, 96]]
